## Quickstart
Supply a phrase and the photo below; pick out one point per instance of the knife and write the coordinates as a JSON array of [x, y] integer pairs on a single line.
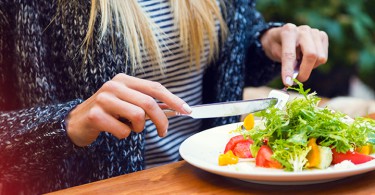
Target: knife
[[224, 109]]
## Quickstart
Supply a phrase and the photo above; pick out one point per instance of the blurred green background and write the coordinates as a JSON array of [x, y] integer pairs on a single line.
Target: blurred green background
[[350, 25]]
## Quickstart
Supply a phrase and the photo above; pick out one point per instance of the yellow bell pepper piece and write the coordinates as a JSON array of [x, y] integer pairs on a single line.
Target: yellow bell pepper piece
[[248, 122], [313, 157], [228, 158], [364, 149]]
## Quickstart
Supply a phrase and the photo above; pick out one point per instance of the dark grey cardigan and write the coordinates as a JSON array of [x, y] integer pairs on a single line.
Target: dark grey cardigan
[[43, 75]]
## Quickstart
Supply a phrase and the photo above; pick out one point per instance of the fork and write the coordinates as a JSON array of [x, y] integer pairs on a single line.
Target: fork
[[295, 74], [283, 95]]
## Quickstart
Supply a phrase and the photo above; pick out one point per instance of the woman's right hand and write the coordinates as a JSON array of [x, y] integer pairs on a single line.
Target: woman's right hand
[[124, 98]]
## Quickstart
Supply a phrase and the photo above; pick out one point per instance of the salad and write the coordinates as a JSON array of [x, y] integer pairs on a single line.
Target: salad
[[301, 136]]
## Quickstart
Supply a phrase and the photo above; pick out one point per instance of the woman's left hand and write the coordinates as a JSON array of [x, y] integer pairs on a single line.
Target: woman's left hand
[[289, 44]]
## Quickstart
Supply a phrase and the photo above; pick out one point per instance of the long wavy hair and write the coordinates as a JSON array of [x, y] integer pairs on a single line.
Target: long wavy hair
[[195, 19]]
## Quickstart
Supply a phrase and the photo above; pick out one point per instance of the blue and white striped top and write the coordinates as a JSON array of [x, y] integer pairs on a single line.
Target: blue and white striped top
[[180, 77]]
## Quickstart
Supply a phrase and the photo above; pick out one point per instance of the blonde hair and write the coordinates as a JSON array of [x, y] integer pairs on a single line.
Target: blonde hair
[[195, 19]]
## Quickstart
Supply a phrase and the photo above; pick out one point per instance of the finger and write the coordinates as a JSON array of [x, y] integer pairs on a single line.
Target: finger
[[288, 53], [152, 109], [322, 58], [325, 42], [276, 52], [164, 106], [309, 53], [156, 90], [105, 122], [144, 101], [122, 110]]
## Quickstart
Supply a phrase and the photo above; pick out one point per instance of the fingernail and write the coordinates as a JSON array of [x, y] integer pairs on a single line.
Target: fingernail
[[186, 108], [165, 133], [289, 81]]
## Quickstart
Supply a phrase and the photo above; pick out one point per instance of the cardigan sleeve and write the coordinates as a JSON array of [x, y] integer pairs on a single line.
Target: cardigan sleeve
[[259, 68], [241, 61], [7, 76], [32, 140]]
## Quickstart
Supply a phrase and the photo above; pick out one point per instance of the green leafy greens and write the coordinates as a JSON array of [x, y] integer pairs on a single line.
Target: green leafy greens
[[287, 131]]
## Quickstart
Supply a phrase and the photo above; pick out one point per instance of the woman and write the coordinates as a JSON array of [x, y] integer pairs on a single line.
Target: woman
[[78, 79]]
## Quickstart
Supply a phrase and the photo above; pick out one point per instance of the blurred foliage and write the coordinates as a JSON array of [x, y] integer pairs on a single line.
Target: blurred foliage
[[349, 24]]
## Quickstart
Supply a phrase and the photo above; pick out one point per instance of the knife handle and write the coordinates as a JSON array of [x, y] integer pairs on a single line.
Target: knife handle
[[168, 112]]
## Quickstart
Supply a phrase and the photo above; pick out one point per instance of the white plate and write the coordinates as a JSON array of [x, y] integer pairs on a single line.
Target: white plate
[[202, 150]]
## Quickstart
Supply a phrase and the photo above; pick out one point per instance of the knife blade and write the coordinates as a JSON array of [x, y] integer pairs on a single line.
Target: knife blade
[[224, 109]]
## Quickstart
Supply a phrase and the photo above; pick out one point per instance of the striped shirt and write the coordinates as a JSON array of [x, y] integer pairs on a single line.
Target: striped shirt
[[180, 77]]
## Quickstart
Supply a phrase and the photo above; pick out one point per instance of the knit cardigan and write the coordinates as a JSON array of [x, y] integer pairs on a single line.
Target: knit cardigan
[[44, 74]]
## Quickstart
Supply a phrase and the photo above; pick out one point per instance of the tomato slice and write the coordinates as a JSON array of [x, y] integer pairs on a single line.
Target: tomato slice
[[354, 157], [234, 141], [242, 149], [264, 158]]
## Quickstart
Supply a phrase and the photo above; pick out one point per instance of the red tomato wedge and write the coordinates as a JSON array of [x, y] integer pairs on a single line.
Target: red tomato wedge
[[242, 149], [354, 157], [240, 146], [264, 159]]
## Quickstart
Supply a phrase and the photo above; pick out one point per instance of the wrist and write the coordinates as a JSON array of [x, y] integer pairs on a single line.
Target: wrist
[[77, 132]]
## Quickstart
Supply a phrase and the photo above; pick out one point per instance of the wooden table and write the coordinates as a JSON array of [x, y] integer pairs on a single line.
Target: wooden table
[[183, 178]]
